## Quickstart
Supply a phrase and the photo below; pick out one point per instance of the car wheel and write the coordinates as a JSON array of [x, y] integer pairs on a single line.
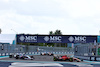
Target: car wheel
[[31, 59], [41, 54], [51, 54], [17, 58], [54, 59], [10, 56], [71, 59]]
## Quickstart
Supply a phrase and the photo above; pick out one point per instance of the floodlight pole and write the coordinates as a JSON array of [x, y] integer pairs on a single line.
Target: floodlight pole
[[14, 31]]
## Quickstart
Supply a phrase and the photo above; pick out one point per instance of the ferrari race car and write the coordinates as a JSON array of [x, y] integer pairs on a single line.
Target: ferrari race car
[[48, 53], [65, 58], [61, 58]]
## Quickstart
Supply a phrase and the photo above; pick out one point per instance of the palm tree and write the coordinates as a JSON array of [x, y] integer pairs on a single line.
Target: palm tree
[[51, 33], [58, 32]]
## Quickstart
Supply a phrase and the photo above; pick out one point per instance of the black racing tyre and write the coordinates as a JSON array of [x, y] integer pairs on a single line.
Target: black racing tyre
[[81, 59], [32, 57], [22, 58], [71, 59], [10, 56], [40, 54], [55, 59], [17, 57], [78, 61], [52, 54]]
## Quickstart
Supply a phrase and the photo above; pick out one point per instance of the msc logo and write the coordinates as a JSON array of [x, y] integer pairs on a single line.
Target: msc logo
[[56, 38], [46, 38], [71, 39], [77, 39], [52, 38], [22, 38], [28, 38], [80, 38]]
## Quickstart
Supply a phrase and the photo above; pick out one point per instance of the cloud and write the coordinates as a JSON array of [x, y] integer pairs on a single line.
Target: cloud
[[34, 7], [42, 16], [81, 8], [7, 38]]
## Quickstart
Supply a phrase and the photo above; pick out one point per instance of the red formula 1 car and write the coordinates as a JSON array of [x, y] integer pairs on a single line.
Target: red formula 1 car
[[61, 58], [66, 58]]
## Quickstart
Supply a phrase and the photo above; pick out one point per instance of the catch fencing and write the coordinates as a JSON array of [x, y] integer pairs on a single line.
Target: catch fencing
[[88, 51], [7, 49]]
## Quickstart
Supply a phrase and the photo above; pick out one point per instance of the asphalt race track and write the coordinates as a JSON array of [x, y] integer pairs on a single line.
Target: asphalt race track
[[37, 58], [5, 62]]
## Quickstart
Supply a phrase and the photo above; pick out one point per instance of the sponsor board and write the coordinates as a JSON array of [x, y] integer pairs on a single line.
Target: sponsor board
[[77, 39], [22, 38], [53, 38], [27, 38]]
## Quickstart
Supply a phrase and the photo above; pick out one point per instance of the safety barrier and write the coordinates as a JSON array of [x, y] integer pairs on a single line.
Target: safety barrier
[[34, 53], [8, 49], [88, 51]]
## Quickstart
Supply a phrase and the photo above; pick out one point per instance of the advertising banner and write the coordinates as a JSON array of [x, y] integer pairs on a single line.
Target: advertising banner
[[23, 38]]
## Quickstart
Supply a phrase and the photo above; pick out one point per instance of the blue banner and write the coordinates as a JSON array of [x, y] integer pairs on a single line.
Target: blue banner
[[22, 38]]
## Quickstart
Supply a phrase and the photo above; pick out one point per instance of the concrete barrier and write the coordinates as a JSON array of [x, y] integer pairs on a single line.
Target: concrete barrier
[[35, 65], [84, 65]]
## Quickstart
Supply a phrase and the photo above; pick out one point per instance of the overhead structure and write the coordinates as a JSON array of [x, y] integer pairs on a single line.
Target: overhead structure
[[27, 38]]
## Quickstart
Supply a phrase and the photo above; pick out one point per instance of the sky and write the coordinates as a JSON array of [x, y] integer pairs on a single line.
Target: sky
[[7, 38], [75, 17]]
